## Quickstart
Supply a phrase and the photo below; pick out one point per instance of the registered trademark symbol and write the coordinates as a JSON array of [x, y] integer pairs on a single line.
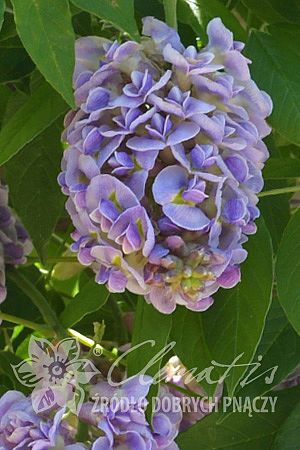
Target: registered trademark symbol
[[97, 351]]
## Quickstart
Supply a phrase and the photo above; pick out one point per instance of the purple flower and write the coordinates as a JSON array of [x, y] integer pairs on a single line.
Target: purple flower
[[184, 273], [14, 240], [161, 34], [180, 198], [120, 414], [20, 427], [141, 87], [164, 163], [190, 61], [178, 374], [226, 50]]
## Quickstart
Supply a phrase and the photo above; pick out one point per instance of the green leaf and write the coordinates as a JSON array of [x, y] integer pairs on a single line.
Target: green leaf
[[189, 16], [82, 24], [154, 8], [288, 271], [239, 431], [6, 359], [239, 313], [45, 29], [277, 168], [5, 384], [205, 10], [279, 348], [40, 111], [170, 8], [275, 211], [14, 64], [17, 304], [276, 69], [233, 325], [119, 328], [22, 344], [274, 11], [34, 191], [119, 12], [187, 331], [8, 27], [16, 100], [89, 299], [5, 94], [2, 10], [290, 150], [288, 436], [149, 325]]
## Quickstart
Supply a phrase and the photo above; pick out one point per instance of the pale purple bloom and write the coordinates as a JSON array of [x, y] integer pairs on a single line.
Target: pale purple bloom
[[161, 34], [21, 428], [164, 163], [178, 374], [121, 417], [14, 240], [227, 52], [180, 197]]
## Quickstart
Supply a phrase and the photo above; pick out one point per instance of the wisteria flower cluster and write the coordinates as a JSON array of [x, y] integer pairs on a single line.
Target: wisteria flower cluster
[[15, 243], [21, 428], [164, 163], [122, 421], [115, 417]]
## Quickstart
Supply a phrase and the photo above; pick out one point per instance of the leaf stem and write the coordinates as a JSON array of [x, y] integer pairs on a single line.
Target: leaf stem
[[97, 347], [170, 13], [27, 323], [183, 390], [116, 311], [249, 20], [53, 259], [279, 191], [48, 332], [8, 342], [91, 343], [39, 301]]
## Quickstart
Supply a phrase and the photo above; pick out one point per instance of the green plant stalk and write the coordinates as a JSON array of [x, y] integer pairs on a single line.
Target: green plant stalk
[[91, 344], [8, 342], [48, 332], [39, 301], [27, 323], [54, 259], [170, 13], [118, 316], [279, 191], [249, 20], [181, 389]]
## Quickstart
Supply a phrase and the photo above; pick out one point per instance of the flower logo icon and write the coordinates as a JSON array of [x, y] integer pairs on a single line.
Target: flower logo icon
[[56, 373]]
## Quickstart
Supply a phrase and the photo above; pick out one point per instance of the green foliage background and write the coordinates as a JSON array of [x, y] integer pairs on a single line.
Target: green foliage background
[[260, 316]]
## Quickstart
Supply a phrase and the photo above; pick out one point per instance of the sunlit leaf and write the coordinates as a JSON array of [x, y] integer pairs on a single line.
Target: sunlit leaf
[[46, 31], [288, 271], [119, 12]]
